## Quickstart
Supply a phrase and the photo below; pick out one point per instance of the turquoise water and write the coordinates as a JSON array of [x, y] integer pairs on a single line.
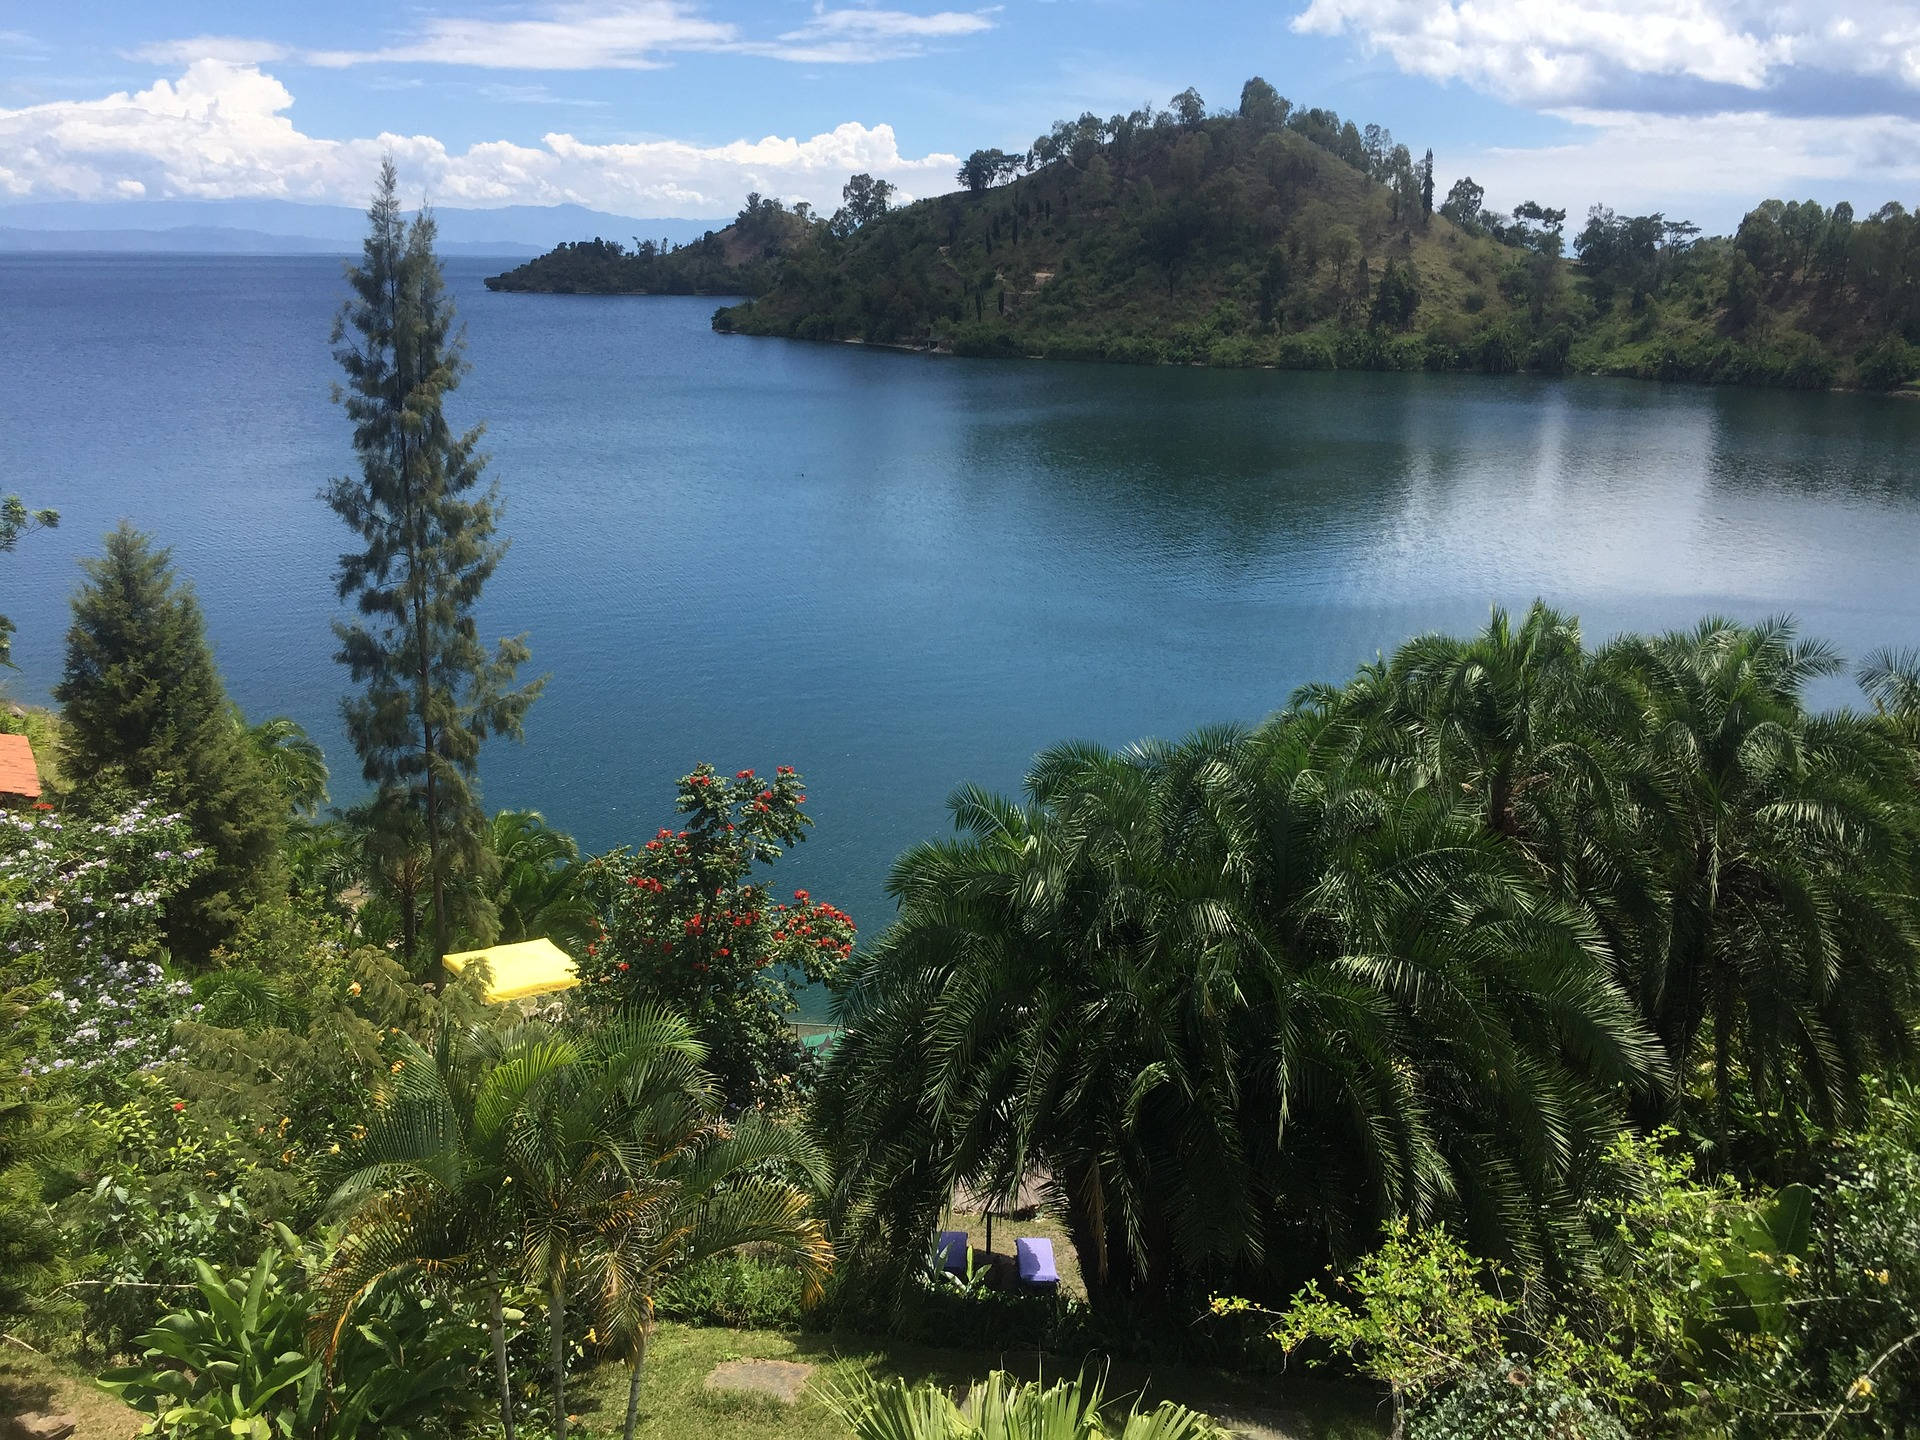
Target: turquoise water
[[899, 572]]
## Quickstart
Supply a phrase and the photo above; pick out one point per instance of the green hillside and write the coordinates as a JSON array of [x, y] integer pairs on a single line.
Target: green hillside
[[742, 259], [1277, 236]]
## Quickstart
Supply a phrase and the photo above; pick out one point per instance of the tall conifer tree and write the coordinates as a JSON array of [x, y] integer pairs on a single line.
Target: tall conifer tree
[[432, 692], [143, 704]]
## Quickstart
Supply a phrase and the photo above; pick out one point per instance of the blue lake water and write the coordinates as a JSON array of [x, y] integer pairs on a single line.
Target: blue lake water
[[899, 572]]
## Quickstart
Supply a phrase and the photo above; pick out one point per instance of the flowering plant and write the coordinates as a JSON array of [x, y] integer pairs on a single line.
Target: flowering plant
[[682, 922], [81, 916]]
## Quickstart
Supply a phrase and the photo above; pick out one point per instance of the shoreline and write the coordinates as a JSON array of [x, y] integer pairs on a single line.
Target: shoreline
[[1909, 391]]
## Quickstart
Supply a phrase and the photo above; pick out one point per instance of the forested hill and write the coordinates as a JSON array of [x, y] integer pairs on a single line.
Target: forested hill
[[742, 259], [1271, 235]]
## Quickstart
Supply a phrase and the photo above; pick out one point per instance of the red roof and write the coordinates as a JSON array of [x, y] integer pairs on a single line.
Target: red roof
[[18, 774]]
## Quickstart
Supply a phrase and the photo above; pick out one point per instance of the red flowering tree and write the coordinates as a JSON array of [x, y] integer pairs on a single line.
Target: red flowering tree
[[682, 921]]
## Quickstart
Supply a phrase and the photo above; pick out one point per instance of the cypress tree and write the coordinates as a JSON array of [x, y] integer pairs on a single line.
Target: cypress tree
[[143, 705], [431, 692]]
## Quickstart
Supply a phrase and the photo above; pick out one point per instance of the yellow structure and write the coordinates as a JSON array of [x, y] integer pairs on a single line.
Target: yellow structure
[[517, 972]]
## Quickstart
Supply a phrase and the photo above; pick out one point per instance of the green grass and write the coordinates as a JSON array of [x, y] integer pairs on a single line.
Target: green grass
[[31, 1382], [675, 1405]]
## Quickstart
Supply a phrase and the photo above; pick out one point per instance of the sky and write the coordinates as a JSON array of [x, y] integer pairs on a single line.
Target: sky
[[1697, 108]]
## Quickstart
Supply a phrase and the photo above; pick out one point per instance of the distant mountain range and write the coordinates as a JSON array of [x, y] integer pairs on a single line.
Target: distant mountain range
[[283, 227]]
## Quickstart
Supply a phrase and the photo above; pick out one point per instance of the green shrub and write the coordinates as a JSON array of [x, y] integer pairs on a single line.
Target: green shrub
[[741, 1291], [1001, 1408], [1887, 365], [238, 1362], [1509, 1399], [1237, 352]]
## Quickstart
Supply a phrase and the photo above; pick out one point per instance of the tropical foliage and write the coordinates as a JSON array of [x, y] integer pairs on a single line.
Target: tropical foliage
[[1420, 946], [685, 920], [591, 1164], [1002, 1408]]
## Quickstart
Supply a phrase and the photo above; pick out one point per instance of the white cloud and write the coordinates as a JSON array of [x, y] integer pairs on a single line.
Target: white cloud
[[563, 37], [234, 49], [838, 37], [1559, 52], [221, 130], [608, 35], [1707, 168]]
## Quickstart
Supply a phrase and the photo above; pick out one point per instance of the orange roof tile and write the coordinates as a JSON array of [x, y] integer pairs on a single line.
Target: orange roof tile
[[18, 774]]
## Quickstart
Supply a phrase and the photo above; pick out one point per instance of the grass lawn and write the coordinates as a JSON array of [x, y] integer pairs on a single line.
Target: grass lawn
[[31, 1382], [675, 1404]]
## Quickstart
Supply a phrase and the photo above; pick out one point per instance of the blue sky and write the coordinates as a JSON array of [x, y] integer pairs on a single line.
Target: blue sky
[[676, 107]]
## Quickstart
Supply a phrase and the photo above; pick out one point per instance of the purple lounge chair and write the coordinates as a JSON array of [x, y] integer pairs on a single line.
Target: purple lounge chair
[[953, 1251], [1035, 1259]]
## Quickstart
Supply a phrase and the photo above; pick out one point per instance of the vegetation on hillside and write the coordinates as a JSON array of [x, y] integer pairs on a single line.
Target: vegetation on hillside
[[1283, 236], [743, 259]]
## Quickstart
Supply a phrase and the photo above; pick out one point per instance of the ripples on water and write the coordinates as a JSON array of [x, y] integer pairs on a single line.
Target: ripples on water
[[898, 572]]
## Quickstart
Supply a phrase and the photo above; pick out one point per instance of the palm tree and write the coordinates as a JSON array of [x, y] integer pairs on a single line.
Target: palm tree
[[537, 890], [698, 1189], [1208, 990], [296, 763], [426, 1191], [572, 1159], [1891, 680], [1788, 942]]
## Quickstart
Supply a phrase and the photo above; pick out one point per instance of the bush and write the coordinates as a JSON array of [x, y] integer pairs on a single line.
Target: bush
[[1509, 1399], [739, 1291], [983, 341], [1235, 353], [1888, 365], [1134, 350], [239, 1360]]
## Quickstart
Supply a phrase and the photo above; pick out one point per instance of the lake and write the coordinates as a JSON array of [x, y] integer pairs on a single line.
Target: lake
[[898, 572]]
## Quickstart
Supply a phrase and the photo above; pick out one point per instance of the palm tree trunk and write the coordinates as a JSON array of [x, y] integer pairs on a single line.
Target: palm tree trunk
[[557, 1346], [497, 1323], [633, 1385]]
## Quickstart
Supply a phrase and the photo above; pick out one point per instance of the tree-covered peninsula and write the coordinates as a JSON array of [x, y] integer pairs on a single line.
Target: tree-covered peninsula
[[743, 259], [1271, 234]]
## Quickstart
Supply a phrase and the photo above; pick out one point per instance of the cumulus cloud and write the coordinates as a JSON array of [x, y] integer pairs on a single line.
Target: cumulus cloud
[[1707, 168], [1601, 52], [221, 131]]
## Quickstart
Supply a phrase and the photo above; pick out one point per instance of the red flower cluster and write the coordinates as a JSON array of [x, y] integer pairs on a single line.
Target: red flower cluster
[[744, 775]]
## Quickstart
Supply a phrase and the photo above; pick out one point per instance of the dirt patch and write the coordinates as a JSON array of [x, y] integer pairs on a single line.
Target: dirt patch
[[781, 1380], [31, 1384]]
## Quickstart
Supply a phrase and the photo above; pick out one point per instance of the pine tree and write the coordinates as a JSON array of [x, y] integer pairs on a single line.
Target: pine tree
[[143, 705], [432, 692]]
